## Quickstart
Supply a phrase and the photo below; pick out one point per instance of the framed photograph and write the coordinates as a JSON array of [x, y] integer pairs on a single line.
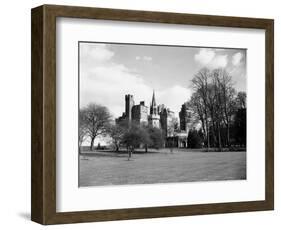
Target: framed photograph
[[140, 114]]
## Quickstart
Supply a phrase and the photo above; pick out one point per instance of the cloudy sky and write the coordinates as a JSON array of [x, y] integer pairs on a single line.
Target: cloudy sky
[[109, 71]]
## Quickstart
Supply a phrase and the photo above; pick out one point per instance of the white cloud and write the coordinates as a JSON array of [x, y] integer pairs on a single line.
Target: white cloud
[[95, 52], [173, 97], [107, 83], [143, 58], [236, 59], [210, 58], [219, 61], [147, 58], [204, 56]]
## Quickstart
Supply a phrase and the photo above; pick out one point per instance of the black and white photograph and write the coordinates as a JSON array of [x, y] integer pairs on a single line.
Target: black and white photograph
[[153, 114]]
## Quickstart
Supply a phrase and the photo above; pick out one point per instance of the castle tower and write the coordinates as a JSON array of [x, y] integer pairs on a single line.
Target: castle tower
[[129, 103], [154, 118], [153, 106], [185, 118]]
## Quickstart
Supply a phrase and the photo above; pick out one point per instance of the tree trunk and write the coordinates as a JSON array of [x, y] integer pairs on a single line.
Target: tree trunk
[[131, 150], [92, 143], [219, 137], [208, 136], [228, 136], [207, 130], [214, 134], [146, 148]]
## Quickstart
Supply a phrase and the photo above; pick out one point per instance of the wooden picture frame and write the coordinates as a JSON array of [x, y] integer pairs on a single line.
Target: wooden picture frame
[[43, 160]]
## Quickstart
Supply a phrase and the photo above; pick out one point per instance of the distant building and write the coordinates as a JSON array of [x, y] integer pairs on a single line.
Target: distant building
[[159, 116], [121, 118], [187, 122], [186, 118], [168, 121], [140, 113], [154, 117], [137, 113], [129, 100]]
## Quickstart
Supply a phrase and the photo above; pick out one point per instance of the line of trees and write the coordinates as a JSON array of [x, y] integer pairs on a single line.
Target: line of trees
[[96, 121], [195, 139], [221, 110], [133, 135]]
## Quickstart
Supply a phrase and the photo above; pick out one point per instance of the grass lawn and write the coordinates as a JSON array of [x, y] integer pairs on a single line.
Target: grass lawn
[[109, 168]]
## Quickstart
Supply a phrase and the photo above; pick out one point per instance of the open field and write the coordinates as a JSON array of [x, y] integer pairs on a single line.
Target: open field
[[109, 168]]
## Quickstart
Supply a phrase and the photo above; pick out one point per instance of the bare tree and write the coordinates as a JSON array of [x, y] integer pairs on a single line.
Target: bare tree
[[97, 119], [214, 103], [197, 106], [241, 100], [213, 107], [117, 132], [200, 100], [226, 98], [83, 131]]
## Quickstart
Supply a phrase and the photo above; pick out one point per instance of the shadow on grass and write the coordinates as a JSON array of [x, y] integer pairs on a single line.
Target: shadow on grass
[[124, 154], [111, 153]]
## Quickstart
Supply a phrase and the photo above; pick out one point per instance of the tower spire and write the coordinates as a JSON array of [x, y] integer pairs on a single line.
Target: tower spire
[[154, 113], [153, 99]]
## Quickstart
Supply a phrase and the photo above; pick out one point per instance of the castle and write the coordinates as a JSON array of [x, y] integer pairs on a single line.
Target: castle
[[159, 116], [186, 116]]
